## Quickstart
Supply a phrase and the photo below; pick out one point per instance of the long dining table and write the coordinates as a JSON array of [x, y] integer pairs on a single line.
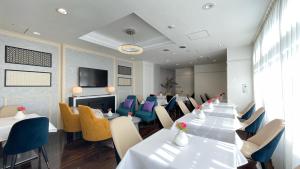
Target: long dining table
[[158, 151], [213, 143], [214, 127]]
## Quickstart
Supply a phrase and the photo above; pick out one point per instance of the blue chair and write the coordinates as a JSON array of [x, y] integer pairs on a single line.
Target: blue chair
[[246, 114], [123, 111], [261, 146], [26, 135], [147, 116], [251, 125], [171, 106]]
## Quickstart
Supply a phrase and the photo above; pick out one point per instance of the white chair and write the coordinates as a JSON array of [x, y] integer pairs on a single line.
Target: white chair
[[164, 117], [193, 101], [183, 107], [8, 111], [124, 134], [261, 146], [253, 123]]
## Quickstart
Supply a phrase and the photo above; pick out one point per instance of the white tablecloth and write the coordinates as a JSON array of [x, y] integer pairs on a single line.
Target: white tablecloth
[[218, 128], [162, 101], [159, 152], [7, 123], [228, 112]]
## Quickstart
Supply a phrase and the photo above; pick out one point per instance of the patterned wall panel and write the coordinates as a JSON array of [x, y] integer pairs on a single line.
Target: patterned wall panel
[[22, 56]]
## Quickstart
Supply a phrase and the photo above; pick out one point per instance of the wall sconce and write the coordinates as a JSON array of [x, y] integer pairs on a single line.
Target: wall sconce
[[76, 91], [110, 89]]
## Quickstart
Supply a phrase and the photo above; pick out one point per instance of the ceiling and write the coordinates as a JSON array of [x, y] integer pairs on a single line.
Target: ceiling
[[205, 33]]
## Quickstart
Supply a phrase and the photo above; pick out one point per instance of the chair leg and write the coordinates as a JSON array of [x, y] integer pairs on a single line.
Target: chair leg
[[4, 160], [263, 165], [45, 156], [13, 161], [39, 158]]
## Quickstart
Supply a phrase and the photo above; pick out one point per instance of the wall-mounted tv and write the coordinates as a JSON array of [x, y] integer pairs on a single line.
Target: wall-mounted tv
[[89, 77]]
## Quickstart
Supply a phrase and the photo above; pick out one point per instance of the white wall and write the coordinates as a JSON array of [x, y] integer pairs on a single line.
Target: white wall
[[239, 74], [210, 79], [148, 79], [160, 76], [144, 73], [185, 80]]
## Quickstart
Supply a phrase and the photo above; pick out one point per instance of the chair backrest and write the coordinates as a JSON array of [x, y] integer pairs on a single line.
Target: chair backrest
[[248, 111], [152, 98], [27, 135], [172, 104], [206, 96], [70, 122], [202, 99], [183, 107], [254, 122], [124, 134], [193, 101], [164, 117], [134, 98], [86, 116], [267, 139], [8, 111]]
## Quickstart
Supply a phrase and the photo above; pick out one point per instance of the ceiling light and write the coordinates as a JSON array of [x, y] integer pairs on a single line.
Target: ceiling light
[[166, 50], [36, 33], [208, 5], [182, 47], [174, 53], [167, 60], [171, 26], [62, 11], [130, 49], [214, 60], [177, 64]]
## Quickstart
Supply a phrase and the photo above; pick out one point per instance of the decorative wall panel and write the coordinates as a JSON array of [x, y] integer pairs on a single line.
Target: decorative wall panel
[[22, 56], [124, 81], [20, 78]]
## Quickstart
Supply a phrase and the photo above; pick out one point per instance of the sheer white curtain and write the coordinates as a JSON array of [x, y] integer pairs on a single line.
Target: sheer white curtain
[[276, 69]]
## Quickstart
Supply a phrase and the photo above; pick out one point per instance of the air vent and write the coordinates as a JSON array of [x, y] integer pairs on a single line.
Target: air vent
[[198, 35]]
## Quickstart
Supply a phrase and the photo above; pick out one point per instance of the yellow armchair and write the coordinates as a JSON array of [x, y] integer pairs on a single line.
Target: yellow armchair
[[93, 128], [71, 122]]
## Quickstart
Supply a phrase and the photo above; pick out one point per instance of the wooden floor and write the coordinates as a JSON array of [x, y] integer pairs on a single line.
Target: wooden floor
[[80, 154]]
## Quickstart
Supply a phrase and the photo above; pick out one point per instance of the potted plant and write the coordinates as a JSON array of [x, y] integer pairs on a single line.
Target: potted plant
[[168, 85]]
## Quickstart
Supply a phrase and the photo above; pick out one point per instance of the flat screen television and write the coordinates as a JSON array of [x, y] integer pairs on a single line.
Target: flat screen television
[[89, 77]]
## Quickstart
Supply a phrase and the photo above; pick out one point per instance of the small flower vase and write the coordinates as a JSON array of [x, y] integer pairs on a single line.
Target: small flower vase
[[130, 117], [109, 114], [20, 115], [210, 106], [217, 101], [200, 114], [181, 139]]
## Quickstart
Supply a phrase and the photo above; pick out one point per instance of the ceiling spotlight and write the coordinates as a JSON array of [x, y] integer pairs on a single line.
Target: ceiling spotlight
[[214, 60], [166, 50], [171, 26], [62, 11], [177, 64], [182, 47], [36, 33], [208, 6]]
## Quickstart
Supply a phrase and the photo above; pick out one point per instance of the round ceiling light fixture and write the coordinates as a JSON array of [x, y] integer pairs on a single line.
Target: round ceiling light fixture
[[166, 50], [182, 47], [208, 6], [36, 33], [130, 49], [62, 11]]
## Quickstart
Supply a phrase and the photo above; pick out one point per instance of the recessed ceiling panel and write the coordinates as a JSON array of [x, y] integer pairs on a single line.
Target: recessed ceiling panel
[[114, 35]]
